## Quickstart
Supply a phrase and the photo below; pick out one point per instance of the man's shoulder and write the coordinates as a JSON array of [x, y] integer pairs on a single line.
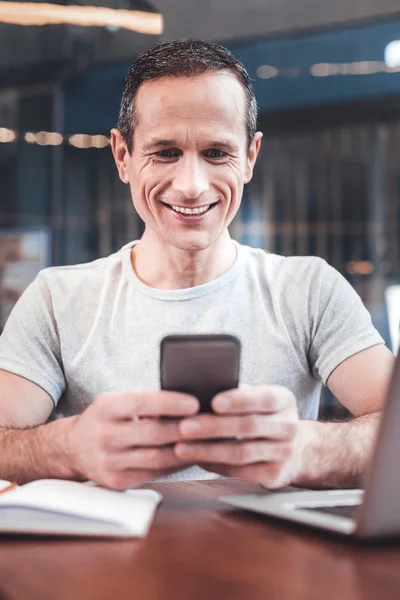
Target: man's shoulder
[[289, 267], [89, 276]]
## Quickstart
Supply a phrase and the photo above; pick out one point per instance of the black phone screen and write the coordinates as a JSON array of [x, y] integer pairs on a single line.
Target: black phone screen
[[200, 365]]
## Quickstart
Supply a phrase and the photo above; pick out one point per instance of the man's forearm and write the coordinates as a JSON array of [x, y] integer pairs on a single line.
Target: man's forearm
[[337, 454], [38, 453]]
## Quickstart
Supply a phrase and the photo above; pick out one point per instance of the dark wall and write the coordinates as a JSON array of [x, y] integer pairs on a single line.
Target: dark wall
[[234, 19]]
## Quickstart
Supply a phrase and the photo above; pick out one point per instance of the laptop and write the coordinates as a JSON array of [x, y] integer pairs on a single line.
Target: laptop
[[368, 514]]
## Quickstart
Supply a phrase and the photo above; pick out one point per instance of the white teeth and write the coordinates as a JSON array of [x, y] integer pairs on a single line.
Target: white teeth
[[190, 211]]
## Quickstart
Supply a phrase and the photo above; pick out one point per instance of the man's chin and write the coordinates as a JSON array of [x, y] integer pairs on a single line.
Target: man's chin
[[192, 242]]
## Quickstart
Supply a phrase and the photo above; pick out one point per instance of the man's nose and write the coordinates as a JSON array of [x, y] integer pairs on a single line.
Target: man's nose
[[191, 178]]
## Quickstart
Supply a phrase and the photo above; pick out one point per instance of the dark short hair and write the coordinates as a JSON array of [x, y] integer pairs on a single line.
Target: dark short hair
[[181, 58]]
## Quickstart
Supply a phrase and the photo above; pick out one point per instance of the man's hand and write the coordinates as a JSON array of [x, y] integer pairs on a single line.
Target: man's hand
[[253, 435], [119, 441]]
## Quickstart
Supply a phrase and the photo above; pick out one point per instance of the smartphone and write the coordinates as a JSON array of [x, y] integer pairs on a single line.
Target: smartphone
[[200, 365]]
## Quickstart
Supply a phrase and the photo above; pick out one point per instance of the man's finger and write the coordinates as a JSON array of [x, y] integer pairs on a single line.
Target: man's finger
[[154, 459], [233, 453], [131, 478], [144, 432], [270, 475], [254, 399], [146, 403], [273, 427]]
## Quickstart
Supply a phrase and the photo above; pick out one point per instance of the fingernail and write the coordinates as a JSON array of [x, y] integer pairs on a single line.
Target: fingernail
[[222, 403], [185, 450], [189, 404], [190, 427]]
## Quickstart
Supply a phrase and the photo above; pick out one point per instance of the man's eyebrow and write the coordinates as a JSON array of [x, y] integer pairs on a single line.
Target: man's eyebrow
[[156, 142], [163, 143], [223, 144]]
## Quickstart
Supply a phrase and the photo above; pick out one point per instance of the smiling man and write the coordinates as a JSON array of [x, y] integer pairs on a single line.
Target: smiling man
[[79, 355]]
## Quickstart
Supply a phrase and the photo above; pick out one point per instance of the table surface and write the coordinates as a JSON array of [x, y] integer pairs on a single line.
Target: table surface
[[200, 548]]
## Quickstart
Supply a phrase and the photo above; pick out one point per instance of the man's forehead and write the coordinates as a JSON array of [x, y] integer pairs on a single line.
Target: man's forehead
[[214, 98]]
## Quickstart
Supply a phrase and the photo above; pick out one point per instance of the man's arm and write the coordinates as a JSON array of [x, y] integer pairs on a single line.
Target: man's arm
[[28, 449], [118, 441], [338, 454]]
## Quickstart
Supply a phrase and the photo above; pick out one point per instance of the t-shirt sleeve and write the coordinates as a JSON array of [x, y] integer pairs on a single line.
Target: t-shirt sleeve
[[340, 324], [29, 344]]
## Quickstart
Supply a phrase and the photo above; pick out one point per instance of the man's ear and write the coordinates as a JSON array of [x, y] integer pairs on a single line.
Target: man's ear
[[252, 155], [121, 154]]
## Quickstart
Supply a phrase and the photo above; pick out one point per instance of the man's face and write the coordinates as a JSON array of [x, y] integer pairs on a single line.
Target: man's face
[[189, 152]]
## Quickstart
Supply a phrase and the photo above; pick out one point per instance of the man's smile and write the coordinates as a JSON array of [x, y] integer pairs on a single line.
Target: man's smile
[[187, 213]]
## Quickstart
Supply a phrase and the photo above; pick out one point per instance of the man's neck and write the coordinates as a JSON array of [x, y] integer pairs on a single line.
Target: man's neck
[[162, 266]]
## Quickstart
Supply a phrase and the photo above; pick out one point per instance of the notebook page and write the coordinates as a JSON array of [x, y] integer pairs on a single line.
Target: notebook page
[[133, 510], [4, 484]]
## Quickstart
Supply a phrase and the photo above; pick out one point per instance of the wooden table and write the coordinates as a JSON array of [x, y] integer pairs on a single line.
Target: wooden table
[[200, 548]]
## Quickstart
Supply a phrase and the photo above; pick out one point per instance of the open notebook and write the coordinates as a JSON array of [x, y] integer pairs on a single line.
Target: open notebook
[[59, 507]]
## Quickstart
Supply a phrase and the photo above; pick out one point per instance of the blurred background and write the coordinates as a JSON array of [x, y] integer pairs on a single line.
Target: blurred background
[[327, 183]]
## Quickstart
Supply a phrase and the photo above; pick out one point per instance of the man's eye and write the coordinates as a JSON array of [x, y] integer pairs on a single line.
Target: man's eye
[[166, 154], [215, 154]]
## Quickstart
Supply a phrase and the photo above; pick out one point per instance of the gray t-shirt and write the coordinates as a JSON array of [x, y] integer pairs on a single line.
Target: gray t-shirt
[[81, 330]]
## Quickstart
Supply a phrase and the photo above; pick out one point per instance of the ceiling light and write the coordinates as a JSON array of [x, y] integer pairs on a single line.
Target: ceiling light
[[83, 140], [267, 72], [324, 69], [30, 137], [38, 13], [392, 54], [44, 138], [99, 141], [80, 140], [366, 67], [48, 138], [7, 135]]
